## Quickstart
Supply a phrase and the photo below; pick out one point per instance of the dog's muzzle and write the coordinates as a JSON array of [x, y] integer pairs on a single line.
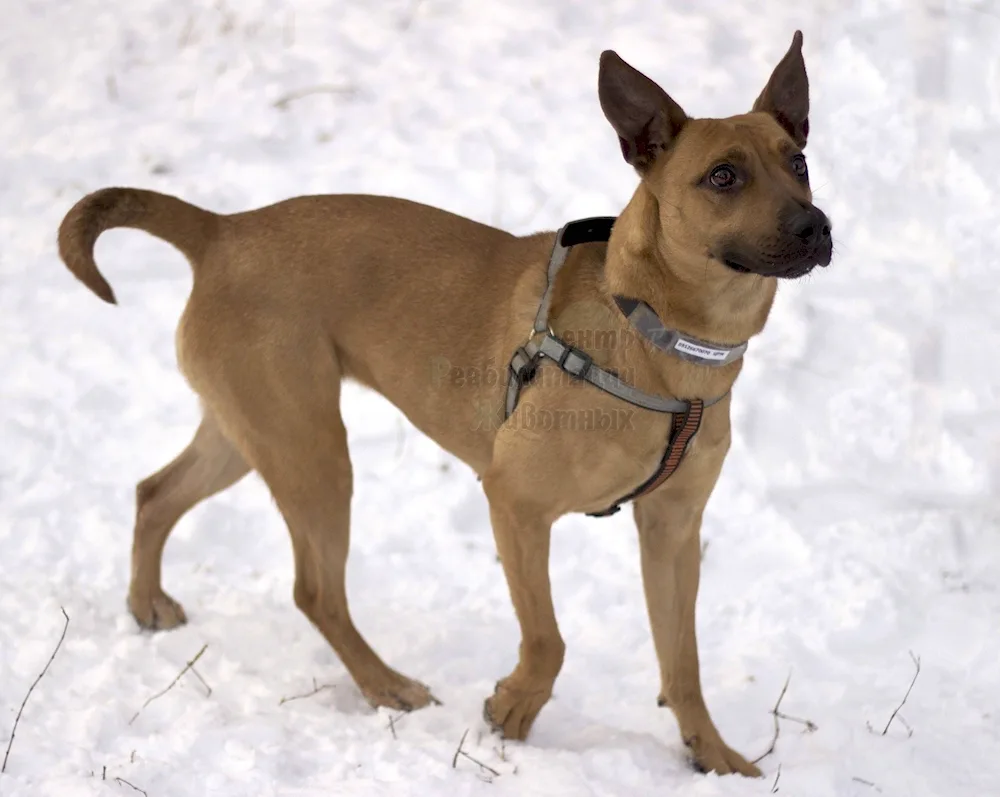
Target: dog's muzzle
[[804, 242]]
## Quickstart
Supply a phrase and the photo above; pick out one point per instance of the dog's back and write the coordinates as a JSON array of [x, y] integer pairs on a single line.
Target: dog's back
[[354, 270]]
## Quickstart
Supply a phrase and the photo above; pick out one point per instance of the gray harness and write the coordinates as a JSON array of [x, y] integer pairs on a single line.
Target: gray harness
[[577, 363]]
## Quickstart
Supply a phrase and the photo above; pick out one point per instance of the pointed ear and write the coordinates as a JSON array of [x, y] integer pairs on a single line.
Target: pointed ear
[[641, 113], [786, 95]]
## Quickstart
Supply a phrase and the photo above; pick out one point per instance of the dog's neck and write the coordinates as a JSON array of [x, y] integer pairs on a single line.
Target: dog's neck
[[727, 310], [724, 310]]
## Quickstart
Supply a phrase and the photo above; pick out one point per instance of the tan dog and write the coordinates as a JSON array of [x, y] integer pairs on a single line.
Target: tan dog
[[414, 302]]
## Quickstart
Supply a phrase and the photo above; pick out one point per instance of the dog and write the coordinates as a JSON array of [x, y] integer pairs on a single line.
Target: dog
[[413, 302]]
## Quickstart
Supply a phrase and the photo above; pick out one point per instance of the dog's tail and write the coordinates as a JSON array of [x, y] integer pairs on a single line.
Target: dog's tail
[[185, 226]]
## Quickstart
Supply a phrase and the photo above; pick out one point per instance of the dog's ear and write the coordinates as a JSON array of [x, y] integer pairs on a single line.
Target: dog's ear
[[786, 95], [643, 115]]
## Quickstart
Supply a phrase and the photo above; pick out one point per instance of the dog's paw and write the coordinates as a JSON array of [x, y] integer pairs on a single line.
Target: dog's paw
[[512, 711], [399, 693], [716, 756], [157, 612]]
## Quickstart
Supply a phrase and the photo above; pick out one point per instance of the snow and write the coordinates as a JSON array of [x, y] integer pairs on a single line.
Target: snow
[[856, 518]]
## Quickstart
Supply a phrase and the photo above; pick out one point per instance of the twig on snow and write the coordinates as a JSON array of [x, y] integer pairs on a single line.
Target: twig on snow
[[31, 689], [208, 689], [454, 758], [460, 752], [317, 688], [392, 723], [123, 782], [778, 715], [916, 664], [777, 725], [173, 683], [774, 786], [867, 783], [286, 99], [810, 726]]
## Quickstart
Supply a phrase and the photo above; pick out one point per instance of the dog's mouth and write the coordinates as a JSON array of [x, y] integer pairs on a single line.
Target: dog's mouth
[[796, 271], [736, 266], [788, 272]]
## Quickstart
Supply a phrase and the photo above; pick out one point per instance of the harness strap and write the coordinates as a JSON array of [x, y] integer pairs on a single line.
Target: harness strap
[[525, 361], [583, 231], [578, 364], [684, 427], [522, 369]]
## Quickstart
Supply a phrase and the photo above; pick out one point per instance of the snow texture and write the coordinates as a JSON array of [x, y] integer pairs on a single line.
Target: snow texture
[[856, 518]]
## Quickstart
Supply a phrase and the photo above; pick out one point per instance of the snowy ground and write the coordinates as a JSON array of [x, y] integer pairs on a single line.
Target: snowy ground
[[857, 517]]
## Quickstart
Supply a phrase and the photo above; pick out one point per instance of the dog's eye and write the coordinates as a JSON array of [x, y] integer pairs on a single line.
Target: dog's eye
[[799, 166], [723, 177]]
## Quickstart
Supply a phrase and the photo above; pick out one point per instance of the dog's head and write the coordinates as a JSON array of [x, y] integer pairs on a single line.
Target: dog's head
[[733, 193]]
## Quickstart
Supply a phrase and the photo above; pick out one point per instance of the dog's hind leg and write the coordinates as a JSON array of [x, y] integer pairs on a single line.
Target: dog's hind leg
[[283, 405], [207, 466]]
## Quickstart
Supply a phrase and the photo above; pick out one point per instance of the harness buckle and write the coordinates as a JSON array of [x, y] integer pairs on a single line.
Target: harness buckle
[[578, 369], [523, 367]]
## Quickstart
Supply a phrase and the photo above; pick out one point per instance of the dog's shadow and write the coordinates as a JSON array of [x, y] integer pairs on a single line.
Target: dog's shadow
[[604, 746]]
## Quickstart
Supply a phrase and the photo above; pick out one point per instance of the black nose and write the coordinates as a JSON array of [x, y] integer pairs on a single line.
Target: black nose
[[810, 224]]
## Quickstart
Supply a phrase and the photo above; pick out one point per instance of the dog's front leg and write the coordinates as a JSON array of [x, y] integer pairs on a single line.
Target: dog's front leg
[[522, 535], [670, 549]]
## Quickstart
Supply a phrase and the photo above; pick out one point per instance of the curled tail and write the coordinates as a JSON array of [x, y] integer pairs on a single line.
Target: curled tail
[[185, 226]]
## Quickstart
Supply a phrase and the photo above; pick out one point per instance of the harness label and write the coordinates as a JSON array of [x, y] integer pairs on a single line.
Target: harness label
[[695, 350]]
